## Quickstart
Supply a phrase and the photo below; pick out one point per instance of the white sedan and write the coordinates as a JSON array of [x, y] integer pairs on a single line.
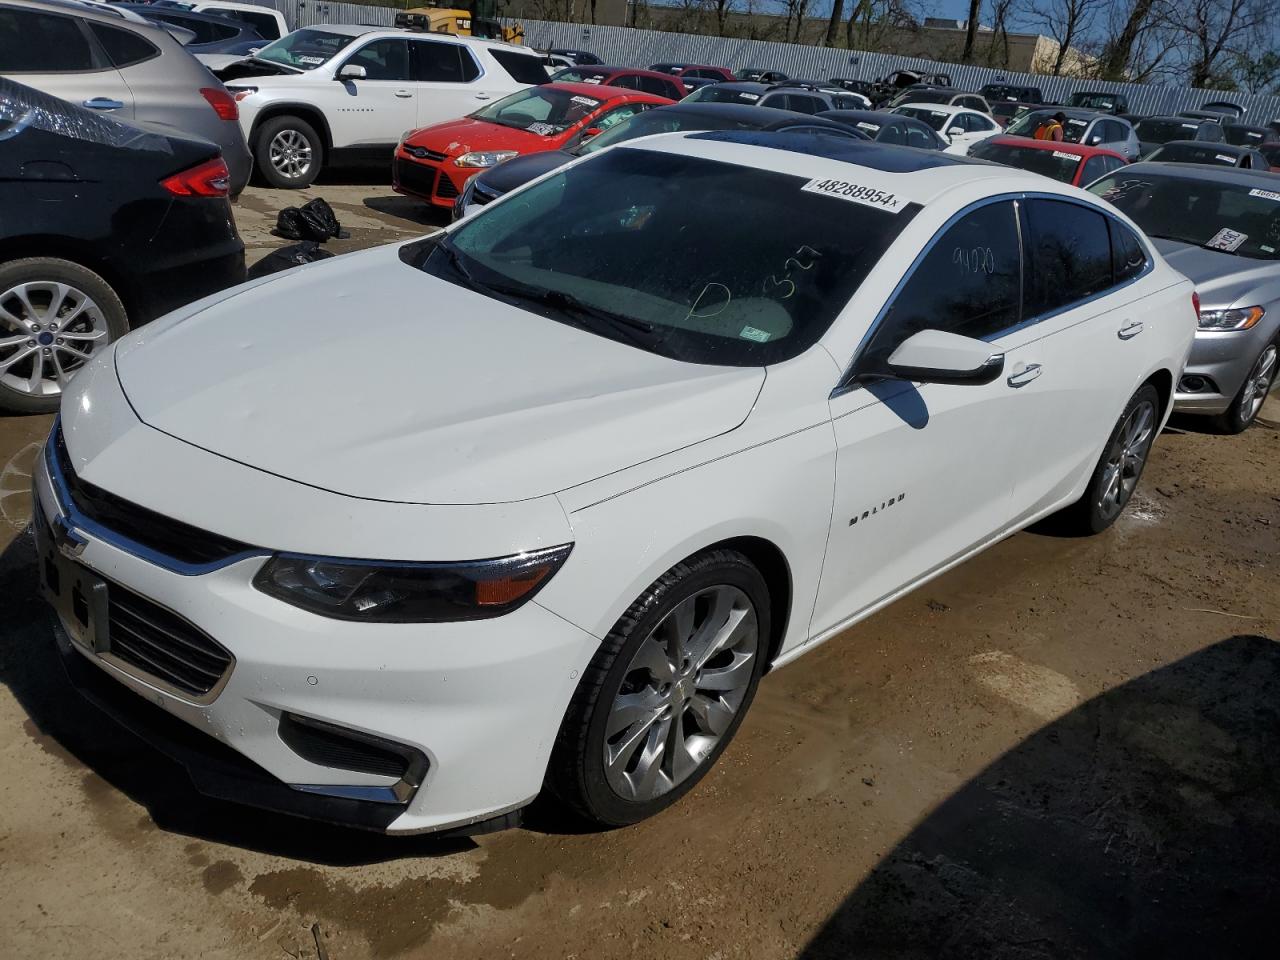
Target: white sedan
[[536, 501], [961, 126]]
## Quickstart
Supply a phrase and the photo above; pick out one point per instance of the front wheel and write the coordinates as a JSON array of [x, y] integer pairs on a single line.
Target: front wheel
[[1248, 402], [665, 692], [289, 152], [1120, 467]]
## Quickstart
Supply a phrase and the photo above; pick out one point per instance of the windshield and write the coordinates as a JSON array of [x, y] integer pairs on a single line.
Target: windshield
[[1242, 136], [921, 96], [305, 49], [581, 75], [1093, 101], [1162, 131], [1230, 217], [1196, 153], [541, 110], [997, 92], [1057, 164], [718, 93], [934, 118], [1027, 125], [636, 245], [659, 121]]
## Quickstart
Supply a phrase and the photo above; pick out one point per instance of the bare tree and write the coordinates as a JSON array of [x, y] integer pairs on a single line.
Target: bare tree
[[971, 30], [1139, 16], [1002, 12], [837, 14], [721, 9], [1258, 73], [1211, 31], [1066, 21]]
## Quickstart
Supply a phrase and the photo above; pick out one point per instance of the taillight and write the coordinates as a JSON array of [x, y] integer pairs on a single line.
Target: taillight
[[1195, 302], [208, 179], [224, 105]]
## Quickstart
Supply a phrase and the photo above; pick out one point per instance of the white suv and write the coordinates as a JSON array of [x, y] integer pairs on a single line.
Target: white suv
[[329, 94]]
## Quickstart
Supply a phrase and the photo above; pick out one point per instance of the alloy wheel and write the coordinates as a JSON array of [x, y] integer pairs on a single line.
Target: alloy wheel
[[1126, 458], [290, 154], [1254, 392], [48, 330], [681, 692]]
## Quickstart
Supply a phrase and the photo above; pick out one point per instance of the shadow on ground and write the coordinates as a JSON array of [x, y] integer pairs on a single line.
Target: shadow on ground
[[1145, 823], [410, 210], [68, 726]]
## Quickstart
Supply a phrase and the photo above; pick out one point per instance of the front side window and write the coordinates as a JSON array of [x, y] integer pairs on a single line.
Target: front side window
[[543, 110], [383, 60], [969, 283], [305, 49], [1094, 168], [1068, 255], [936, 119], [891, 134], [1243, 136], [39, 42], [631, 245]]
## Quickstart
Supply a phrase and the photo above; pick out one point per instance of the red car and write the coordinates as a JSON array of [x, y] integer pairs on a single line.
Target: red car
[[647, 81], [697, 71], [435, 162], [1071, 163]]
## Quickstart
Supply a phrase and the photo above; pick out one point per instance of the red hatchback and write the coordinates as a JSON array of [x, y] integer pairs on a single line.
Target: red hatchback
[[435, 162], [1071, 163], [646, 81]]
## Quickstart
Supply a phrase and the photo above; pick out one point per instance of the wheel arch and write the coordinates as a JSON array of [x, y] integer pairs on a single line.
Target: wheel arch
[[1163, 381], [767, 557], [28, 246], [303, 111]]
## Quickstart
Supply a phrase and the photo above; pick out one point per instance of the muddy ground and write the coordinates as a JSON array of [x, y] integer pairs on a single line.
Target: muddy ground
[[1066, 748]]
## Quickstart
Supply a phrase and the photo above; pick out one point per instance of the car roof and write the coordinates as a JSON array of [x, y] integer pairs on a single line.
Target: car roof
[[1075, 113], [598, 91], [878, 117], [1078, 149], [1218, 146], [1175, 118], [613, 71], [926, 174], [1209, 172], [951, 109], [744, 112], [96, 13]]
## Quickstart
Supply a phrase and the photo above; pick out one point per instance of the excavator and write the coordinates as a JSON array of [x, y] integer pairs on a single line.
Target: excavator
[[479, 19]]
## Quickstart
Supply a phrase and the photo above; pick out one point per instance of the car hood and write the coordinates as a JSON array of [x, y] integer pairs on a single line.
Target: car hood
[[518, 171], [1223, 279], [456, 137], [373, 379]]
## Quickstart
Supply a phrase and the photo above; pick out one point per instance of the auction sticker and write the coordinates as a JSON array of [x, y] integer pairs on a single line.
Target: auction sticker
[[1225, 158], [1228, 240], [856, 193], [585, 101], [1063, 155], [1265, 194], [749, 96]]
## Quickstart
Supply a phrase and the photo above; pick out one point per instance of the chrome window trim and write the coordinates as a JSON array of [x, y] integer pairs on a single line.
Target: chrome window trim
[[843, 385]]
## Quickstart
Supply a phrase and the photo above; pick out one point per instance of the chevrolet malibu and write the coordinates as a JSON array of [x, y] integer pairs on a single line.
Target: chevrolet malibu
[[411, 537]]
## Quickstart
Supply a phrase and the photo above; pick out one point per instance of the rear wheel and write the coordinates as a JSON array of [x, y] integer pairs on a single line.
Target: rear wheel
[[1120, 467], [289, 152], [1248, 402], [55, 315], [665, 692]]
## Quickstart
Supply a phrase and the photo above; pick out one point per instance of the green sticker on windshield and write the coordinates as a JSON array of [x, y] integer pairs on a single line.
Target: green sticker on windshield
[[754, 333]]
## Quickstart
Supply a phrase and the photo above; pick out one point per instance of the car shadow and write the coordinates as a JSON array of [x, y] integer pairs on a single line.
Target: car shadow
[[1144, 823], [410, 210], [72, 729]]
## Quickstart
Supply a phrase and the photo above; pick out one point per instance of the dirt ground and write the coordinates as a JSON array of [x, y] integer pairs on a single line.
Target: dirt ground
[[1065, 748]]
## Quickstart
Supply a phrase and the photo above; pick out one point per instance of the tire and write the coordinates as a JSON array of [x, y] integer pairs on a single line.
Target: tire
[[631, 662], [277, 137], [1247, 403], [73, 308], [1127, 449]]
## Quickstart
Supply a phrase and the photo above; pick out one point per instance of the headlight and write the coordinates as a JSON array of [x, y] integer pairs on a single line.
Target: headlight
[[1240, 318], [485, 158], [376, 591]]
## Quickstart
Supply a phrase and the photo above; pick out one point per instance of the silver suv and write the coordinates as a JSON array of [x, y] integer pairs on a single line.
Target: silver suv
[[133, 71]]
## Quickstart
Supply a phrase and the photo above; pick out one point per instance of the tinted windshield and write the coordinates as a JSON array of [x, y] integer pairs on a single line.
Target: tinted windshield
[[996, 92], [646, 237], [1196, 153], [541, 110], [718, 93], [305, 49], [580, 75], [1233, 218], [1242, 136], [1051, 163], [1027, 125], [922, 96], [934, 118], [1162, 131], [1093, 101]]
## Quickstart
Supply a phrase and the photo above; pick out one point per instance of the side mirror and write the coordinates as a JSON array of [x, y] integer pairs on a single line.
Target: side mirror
[[590, 132], [935, 356], [952, 131], [352, 71]]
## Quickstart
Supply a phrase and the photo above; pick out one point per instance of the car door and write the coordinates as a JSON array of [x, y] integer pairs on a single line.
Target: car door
[[57, 55], [924, 472], [1073, 362], [373, 111], [446, 76]]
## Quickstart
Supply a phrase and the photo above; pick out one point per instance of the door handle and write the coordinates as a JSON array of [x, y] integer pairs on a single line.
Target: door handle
[[1024, 376], [404, 94], [483, 96], [1130, 330], [103, 103]]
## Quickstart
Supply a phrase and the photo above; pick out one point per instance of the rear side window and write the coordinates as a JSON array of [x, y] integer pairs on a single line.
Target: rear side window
[[1068, 256], [918, 138], [968, 283], [205, 30], [1128, 257], [267, 26], [32, 42], [657, 87], [445, 62], [892, 134], [521, 67], [123, 47]]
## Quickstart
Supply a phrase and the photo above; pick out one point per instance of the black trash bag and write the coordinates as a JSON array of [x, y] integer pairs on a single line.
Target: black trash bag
[[289, 224], [314, 220], [294, 255]]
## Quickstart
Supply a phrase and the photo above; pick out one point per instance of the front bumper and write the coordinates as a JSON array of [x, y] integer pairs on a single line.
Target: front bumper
[[439, 182], [1217, 367], [481, 702]]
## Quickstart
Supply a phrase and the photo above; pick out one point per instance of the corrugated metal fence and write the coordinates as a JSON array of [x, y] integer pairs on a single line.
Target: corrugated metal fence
[[638, 48]]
